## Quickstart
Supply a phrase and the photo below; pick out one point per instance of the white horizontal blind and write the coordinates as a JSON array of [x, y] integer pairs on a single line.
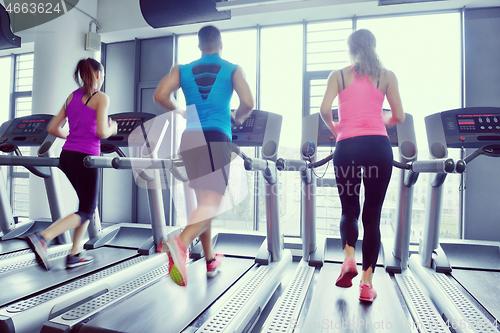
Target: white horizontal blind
[[22, 100], [327, 45]]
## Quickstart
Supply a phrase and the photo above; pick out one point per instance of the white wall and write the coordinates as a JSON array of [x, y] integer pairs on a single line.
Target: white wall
[[58, 46]]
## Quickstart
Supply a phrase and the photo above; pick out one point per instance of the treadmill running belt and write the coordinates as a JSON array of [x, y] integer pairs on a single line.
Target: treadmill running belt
[[483, 285], [32, 279], [165, 307], [12, 245], [335, 309]]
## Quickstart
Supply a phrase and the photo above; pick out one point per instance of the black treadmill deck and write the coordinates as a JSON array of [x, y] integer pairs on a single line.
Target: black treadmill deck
[[8, 247], [335, 309], [33, 279], [167, 308], [484, 286]]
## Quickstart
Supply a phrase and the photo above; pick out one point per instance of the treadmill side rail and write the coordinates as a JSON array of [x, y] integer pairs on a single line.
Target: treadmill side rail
[[243, 309], [461, 313], [28, 315], [287, 309]]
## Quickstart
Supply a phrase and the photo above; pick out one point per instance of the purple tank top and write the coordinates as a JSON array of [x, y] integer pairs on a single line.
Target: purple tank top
[[82, 121]]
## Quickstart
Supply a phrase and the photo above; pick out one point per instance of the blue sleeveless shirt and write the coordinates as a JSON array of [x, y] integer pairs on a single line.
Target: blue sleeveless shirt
[[207, 84]]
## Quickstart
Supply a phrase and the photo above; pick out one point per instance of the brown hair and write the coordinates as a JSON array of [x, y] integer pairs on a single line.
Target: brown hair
[[209, 38], [85, 70], [362, 48]]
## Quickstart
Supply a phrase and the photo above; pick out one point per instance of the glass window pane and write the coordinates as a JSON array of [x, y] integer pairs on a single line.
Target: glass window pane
[[424, 52], [24, 72], [281, 92], [23, 106], [245, 57], [21, 196], [5, 86], [327, 45]]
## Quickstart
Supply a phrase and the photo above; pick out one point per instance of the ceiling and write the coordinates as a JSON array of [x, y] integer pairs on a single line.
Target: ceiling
[[122, 20]]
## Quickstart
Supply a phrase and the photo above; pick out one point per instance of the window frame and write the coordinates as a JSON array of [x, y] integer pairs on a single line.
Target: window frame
[[12, 174]]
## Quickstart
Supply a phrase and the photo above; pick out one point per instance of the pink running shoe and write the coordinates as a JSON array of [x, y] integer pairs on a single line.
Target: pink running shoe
[[163, 248], [177, 261], [348, 271], [366, 293], [213, 265]]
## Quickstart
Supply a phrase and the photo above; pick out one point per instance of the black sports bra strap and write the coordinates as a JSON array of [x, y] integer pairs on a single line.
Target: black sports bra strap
[[378, 82], [343, 84], [90, 97]]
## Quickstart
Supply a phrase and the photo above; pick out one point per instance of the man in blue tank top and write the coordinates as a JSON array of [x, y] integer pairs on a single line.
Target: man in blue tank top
[[208, 85]]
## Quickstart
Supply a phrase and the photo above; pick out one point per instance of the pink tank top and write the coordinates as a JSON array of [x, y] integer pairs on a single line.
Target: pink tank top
[[82, 121], [360, 109]]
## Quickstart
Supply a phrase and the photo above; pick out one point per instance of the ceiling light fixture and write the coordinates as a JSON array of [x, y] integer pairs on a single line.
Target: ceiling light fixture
[[238, 4], [399, 2]]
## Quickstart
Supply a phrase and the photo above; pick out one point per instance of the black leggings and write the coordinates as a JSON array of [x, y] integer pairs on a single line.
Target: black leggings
[[368, 158], [83, 179]]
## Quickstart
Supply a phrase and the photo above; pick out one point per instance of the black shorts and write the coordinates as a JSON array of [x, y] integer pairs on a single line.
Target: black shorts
[[207, 157], [83, 179]]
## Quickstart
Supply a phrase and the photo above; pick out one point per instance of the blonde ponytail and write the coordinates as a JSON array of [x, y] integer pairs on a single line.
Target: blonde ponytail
[[362, 48]]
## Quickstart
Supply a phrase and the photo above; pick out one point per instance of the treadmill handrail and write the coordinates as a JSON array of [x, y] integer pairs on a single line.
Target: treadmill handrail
[[291, 165], [142, 163], [257, 164], [98, 161], [27, 161], [433, 166]]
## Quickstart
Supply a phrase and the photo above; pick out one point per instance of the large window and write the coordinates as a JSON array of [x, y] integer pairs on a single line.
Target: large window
[[281, 93], [23, 85], [5, 87], [424, 52], [5, 92], [326, 50], [15, 101]]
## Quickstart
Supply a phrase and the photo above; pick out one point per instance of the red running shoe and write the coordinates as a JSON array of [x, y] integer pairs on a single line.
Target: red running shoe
[[366, 293], [213, 266], [177, 261], [39, 247], [348, 271]]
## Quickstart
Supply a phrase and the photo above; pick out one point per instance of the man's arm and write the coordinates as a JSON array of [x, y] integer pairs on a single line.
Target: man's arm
[[164, 91], [242, 88]]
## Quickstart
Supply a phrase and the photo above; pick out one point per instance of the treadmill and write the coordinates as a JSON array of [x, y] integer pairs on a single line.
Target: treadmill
[[463, 275], [312, 302], [233, 300], [30, 296], [30, 131]]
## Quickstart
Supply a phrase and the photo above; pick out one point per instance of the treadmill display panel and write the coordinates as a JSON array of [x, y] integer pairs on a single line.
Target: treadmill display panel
[[325, 136], [478, 123], [251, 132], [248, 125], [127, 125], [29, 126]]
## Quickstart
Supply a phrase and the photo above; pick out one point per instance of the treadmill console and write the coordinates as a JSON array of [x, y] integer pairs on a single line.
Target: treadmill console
[[26, 131], [477, 123], [473, 127], [127, 122], [326, 138], [251, 132]]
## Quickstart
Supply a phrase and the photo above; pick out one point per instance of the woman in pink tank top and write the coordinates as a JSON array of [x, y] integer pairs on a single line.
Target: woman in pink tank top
[[363, 152], [87, 111]]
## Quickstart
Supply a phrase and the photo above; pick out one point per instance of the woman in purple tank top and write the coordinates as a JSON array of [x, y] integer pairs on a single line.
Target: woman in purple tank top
[[363, 152], [87, 112]]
